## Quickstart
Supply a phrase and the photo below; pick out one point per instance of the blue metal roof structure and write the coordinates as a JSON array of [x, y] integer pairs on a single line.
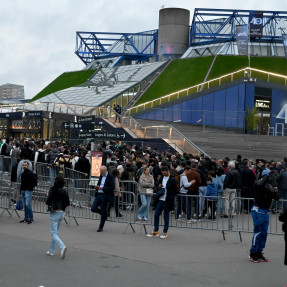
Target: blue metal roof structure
[[213, 31], [129, 46], [205, 29]]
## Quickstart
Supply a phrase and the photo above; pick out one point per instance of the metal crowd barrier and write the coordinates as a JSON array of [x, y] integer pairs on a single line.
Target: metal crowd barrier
[[189, 212]]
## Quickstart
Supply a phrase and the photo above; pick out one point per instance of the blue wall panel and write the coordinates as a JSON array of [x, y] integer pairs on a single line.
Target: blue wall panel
[[231, 107], [186, 111], [196, 113], [159, 115], [225, 108], [219, 109], [176, 113], [168, 114], [208, 109]]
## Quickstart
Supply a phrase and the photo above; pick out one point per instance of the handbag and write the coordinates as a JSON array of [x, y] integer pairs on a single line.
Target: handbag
[[19, 204], [149, 190], [160, 192]]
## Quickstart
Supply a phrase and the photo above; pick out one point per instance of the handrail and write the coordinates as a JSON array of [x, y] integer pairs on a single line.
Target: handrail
[[207, 83], [189, 141], [140, 129]]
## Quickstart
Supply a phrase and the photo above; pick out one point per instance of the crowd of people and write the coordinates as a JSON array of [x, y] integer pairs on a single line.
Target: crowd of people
[[190, 185]]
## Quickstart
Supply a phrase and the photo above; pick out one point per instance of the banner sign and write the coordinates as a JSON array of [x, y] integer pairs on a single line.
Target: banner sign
[[255, 24], [284, 37], [242, 39], [96, 163]]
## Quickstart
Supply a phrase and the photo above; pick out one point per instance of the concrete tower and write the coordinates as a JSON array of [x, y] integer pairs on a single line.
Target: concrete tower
[[173, 32]]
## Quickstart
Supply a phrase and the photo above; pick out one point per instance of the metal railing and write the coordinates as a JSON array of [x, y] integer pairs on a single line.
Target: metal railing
[[168, 133], [191, 211], [230, 77]]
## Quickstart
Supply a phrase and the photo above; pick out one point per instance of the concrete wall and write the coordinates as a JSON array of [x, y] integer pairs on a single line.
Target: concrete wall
[[173, 32]]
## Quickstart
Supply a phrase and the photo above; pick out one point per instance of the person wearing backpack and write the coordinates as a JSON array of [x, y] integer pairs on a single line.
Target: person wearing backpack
[[64, 161]]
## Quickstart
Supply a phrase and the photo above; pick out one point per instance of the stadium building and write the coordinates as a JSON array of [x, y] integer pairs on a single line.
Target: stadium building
[[211, 69]]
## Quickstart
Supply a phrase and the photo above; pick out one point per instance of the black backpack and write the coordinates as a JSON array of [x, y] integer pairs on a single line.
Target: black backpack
[[41, 157]]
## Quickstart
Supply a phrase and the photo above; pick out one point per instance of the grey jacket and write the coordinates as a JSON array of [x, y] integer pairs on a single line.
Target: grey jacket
[[145, 182]]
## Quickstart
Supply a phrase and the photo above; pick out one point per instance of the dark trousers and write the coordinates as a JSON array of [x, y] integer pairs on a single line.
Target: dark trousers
[[100, 206], [161, 207], [212, 205], [184, 203]]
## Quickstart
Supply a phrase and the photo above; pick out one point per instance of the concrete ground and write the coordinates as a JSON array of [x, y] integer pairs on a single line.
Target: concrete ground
[[111, 258]]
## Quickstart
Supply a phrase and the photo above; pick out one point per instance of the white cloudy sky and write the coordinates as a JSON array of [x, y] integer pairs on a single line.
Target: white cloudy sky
[[38, 37]]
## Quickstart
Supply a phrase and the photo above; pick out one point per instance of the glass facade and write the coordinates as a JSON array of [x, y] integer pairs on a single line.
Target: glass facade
[[107, 87]]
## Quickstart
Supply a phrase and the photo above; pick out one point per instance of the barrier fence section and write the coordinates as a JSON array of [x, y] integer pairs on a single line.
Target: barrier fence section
[[191, 211]]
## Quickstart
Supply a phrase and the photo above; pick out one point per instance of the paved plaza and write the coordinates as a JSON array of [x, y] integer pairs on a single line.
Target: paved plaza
[[186, 258]]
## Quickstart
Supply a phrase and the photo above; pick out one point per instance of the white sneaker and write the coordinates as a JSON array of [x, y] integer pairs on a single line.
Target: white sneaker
[[153, 234], [63, 252], [50, 254], [163, 236]]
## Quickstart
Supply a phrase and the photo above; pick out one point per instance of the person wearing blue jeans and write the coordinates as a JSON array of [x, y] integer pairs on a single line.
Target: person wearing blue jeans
[[146, 183], [57, 201], [260, 214], [27, 200], [261, 222], [28, 182], [56, 217], [167, 187]]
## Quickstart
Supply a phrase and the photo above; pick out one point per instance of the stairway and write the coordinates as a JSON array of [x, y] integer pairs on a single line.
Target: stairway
[[220, 143]]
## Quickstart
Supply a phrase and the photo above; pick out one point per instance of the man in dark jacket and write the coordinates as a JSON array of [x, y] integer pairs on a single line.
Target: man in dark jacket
[[247, 178], [28, 182], [83, 164], [231, 183], [282, 187], [168, 186], [105, 195], [260, 215]]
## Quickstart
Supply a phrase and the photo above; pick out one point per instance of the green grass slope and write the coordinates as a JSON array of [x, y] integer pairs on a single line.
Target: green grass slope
[[180, 74], [64, 81], [228, 64]]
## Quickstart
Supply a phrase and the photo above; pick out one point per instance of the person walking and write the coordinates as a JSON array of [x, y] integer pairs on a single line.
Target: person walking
[[57, 201], [28, 182], [105, 195], [146, 182], [167, 188]]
